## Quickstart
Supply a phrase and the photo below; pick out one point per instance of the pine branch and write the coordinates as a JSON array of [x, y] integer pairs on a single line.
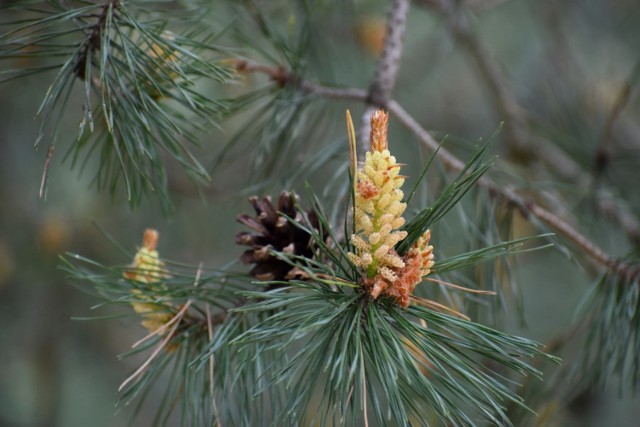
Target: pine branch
[[381, 88], [523, 145], [284, 78], [198, 324], [343, 339], [314, 323], [364, 349]]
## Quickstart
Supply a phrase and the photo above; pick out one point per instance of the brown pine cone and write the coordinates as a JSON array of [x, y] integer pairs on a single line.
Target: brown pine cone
[[273, 232]]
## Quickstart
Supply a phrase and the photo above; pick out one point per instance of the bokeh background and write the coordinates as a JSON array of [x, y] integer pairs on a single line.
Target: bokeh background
[[566, 63]]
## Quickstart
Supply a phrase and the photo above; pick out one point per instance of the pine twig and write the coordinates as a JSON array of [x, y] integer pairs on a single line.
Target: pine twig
[[283, 77], [381, 88], [525, 146], [384, 81]]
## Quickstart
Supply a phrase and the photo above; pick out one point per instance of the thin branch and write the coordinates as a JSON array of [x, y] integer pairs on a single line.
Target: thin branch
[[381, 88], [283, 78], [387, 70], [524, 145]]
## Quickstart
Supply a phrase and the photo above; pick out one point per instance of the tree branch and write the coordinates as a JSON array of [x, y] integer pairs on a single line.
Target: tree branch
[[91, 42], [384, 80], [282, 77]]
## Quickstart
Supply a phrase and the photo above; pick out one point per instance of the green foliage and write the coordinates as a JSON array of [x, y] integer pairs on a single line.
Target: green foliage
[[612, 345], [137, 85], [197, 350], [485, 254], [383, 359], [319, 350], [473, 170]]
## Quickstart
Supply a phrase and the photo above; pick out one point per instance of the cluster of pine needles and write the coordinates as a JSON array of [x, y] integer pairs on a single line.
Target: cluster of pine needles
[[302, 338]]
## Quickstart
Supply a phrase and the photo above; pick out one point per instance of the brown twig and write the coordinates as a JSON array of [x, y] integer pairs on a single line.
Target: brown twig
[[381, 88], [382, 85], [283, 78]]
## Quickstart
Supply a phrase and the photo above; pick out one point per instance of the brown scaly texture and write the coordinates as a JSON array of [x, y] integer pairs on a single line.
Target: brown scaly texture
[[273, 232]]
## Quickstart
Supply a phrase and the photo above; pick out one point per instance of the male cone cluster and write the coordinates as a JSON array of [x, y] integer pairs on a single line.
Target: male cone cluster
[[148, 268], [378, 218]]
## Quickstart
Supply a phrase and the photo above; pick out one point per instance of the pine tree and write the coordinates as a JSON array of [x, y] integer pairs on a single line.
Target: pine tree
[[374, 275]]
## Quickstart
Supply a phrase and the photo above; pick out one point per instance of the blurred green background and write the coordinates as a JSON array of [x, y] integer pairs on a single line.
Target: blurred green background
[[566, 62]]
